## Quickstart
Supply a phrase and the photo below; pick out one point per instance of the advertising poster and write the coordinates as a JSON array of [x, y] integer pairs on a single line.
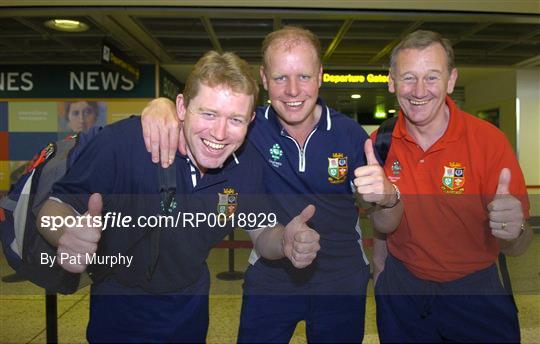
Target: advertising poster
[[119, 110], [23, 146], [32, 116], [41, 109], [4, 175], [4, 150], [3, 116], [80, 115]]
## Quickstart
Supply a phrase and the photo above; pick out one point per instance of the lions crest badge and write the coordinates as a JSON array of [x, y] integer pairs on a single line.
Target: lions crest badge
[[453, 180], [228, 201], [337, 168]]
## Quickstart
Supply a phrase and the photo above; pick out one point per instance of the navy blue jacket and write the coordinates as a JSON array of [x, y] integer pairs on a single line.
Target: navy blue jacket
[[117, 165]]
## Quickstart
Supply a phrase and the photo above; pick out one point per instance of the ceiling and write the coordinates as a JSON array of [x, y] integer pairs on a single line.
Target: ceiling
[[176, 37]]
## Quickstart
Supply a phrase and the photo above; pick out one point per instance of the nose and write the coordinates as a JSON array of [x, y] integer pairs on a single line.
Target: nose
[[420, 89], [292, 87], [219, 130], [77, 117]]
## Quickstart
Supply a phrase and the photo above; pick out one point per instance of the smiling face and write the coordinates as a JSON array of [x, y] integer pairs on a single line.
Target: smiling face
[[81, 116], [421, 80], [215, 124], [292, 75]]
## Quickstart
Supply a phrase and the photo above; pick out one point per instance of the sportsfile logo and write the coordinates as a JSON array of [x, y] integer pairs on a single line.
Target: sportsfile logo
[[181, 220]]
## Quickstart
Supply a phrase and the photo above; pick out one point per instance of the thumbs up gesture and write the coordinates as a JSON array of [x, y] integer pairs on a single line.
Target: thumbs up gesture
[[505, 212], [371, 182], [300, 242], [76, 242]]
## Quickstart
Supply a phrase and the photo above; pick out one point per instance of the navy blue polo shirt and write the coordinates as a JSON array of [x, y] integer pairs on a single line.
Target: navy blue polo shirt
[[320, 173], [117, 165]]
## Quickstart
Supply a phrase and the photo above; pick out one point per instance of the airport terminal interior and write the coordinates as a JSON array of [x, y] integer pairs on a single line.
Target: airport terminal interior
[[118, 55]]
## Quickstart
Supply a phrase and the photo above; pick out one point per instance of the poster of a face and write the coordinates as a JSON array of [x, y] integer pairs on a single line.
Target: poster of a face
[[81, 115]]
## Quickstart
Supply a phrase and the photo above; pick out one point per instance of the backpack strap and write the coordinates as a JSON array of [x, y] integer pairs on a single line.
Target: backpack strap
[[167, 192], [167, 189], [503, 268], [7, 203], [384, 138]]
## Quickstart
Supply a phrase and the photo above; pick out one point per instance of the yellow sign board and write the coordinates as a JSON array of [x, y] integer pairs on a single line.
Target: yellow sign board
[[369, 78]]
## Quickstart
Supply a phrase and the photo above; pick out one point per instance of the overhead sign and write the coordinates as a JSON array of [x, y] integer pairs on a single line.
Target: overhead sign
[[355, 79], [169, 87], [115, 60], [73, 81]]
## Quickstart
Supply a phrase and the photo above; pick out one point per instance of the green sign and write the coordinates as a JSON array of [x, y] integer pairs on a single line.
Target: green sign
[[169, 87], [73, 81], [115, 60]]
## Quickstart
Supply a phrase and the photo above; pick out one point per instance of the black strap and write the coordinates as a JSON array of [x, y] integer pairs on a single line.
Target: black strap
[[384, 138], [167, 188], [503, 268], [167, 192]]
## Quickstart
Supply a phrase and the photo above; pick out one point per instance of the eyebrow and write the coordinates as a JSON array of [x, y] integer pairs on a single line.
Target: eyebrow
[[429, 71], [204, 109]]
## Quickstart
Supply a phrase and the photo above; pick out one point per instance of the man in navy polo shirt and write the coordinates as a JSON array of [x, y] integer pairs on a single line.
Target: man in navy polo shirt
[[150, 294], [310, 152]]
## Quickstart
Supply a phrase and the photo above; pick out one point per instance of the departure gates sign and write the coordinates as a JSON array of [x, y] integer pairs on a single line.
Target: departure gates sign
[[355, 79], [74, 81]]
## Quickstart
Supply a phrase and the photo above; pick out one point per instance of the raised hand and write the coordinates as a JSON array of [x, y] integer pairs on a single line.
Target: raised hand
[[505, 212], [371, 182], [160, 130], [300, 242], [76, 242]]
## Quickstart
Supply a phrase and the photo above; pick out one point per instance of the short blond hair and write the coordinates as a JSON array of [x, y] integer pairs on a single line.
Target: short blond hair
[[291, 36], [221, 69]]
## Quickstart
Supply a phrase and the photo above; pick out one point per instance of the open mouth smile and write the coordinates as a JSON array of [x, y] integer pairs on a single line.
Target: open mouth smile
[[418, 102], [294, 104], [213, 145]]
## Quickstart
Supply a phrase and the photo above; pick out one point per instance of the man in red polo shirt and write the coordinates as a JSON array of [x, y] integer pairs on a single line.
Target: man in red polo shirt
[[464, 199]]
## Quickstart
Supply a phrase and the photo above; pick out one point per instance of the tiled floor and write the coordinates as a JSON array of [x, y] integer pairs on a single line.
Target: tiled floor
[[22, 305]]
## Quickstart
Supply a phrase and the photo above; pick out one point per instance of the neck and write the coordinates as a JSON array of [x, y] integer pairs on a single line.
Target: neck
[[201, 170], [426, 135], [300, 131]]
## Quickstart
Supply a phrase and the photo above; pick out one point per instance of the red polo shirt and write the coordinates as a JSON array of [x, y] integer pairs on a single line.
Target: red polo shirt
[[444, 234]]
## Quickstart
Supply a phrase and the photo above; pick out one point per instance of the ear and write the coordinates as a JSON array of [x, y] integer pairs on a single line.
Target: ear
[[180, 107], [263, 77], [320, 75], [391, 83], [452, 81], [252, 117]]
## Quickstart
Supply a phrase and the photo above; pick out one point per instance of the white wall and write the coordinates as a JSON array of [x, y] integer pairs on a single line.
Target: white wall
[[495, 90], [528, 143], [500, 89]]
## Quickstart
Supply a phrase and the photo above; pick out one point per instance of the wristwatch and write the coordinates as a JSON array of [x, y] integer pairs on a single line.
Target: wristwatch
[[398, 198]]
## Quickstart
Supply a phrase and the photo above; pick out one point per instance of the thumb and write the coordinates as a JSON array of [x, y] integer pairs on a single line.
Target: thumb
[[307, 213], [95, 205], [370, 154], [503, 188]]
